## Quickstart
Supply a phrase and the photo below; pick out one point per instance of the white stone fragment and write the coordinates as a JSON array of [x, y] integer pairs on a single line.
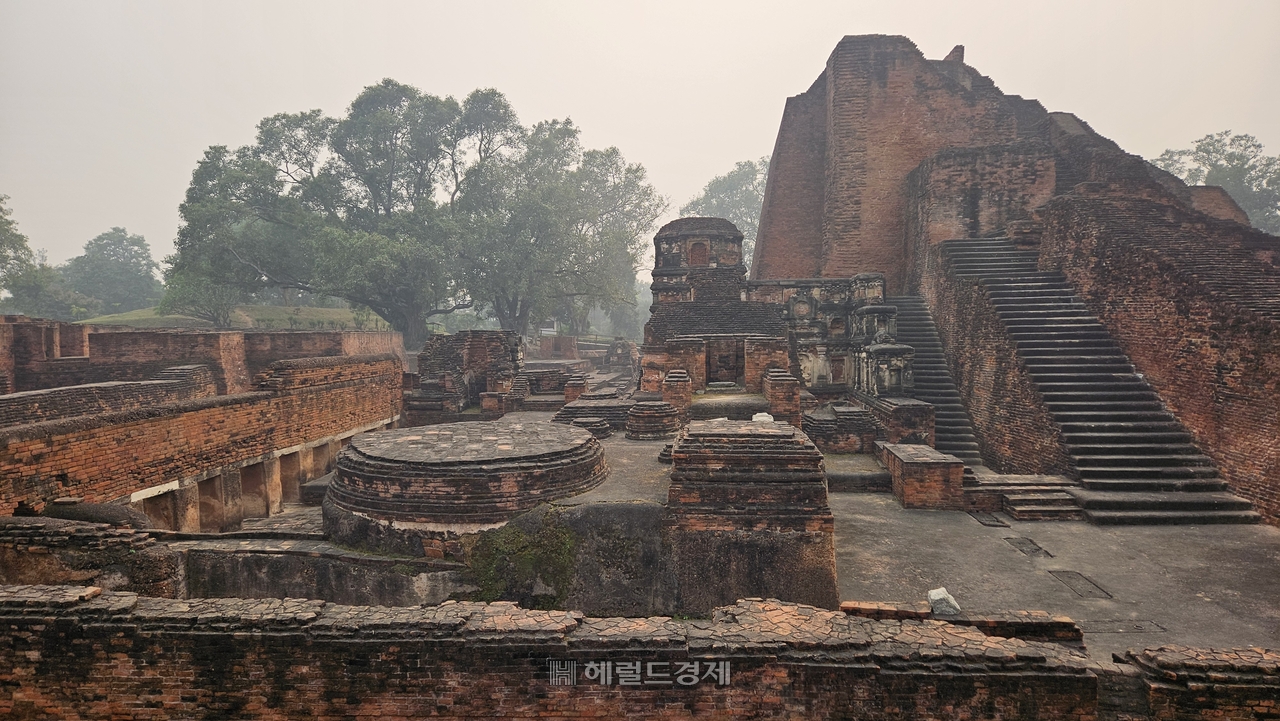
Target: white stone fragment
[[762, 418], [943, 603]]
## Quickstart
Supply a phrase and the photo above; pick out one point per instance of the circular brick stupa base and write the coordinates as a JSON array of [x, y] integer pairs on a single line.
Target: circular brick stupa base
[[652, 421], [394, 490]]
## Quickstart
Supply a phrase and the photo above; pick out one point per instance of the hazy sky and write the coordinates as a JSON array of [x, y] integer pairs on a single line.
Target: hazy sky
[[105, 106]]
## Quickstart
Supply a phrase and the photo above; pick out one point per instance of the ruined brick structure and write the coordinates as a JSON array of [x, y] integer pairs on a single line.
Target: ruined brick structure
[[708, 320], [454, 370], [37, 354], [1097, 262], [393, 490], [748, 514], [193, 446]]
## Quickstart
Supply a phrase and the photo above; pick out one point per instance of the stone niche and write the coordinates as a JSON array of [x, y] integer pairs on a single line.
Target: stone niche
[[747, 516], [403, 491]]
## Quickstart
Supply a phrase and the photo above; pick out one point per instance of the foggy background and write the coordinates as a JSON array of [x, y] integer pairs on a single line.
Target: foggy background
[[106, 106]]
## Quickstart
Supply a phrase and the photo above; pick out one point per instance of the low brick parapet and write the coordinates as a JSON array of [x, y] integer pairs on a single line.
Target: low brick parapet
[[924, 477], [294, 657]]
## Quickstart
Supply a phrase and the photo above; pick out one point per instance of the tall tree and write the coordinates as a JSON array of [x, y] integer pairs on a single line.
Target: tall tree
[[15, 251], [1237, 164], [555, 229], [736, 196], [117, 269], [348, 207], [414, 206]]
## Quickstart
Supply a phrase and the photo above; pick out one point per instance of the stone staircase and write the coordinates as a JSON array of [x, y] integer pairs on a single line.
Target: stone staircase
[[1028, 498], [952, 427], [1135, 461]]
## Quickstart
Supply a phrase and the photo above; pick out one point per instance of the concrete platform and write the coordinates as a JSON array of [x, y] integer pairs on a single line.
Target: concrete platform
[[1127, 586]]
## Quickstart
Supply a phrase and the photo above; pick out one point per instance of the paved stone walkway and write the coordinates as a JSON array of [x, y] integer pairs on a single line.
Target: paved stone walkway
[[1127, 586], [296, 518]]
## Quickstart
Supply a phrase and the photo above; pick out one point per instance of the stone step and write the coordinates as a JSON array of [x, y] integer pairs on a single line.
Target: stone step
[[1142, 461], [1170, 518], [1046, 497], [1088, 381], [1099, 404], [1186, 485], [1125, 446], [1121, 427], [1087, 396], [1087, 440], [1119, 473], [1043, 513], [1158, 500]]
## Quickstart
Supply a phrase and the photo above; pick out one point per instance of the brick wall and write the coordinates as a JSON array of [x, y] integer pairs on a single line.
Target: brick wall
[[763, 355], [116, 655], [789, 240], [139, 355], [923, 477], [1195, 304], [48, 354], [174, 384], [973, 193], [261, 348], [782, 391], [109, 456], [886, 109]]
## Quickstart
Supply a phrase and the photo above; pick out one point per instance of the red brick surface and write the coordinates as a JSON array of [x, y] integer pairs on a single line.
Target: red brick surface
[[107, 456]]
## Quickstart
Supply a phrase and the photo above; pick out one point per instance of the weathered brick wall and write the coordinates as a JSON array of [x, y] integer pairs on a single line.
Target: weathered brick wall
[[47, 354], [1186, 684], [763, 355], [886, 110], [973, 193], [174, 384], [782, 391], [262, 348], [139, 355], [923, 477], [116, 655], [1217, 203], [109, 456], [905, 420], [789, 240], [1014, 430], [59, 551], [1195, 304]]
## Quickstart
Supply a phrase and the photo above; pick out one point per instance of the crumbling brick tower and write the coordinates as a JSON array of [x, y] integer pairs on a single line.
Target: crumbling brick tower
[[1097, 316]]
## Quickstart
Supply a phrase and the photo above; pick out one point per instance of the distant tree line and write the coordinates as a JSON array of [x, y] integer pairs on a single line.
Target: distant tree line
[[115, 274], [415, 206], [1238, 165]]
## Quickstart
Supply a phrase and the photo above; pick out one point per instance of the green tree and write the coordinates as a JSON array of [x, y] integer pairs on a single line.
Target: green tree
[[15, 251], [416, 206], [556, 230], [1237, 164], [356, 208], [118, 270], [736, 196], [194, 294], [39, 290]]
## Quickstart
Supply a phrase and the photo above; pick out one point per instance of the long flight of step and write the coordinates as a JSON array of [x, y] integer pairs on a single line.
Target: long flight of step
[[1136, 462]]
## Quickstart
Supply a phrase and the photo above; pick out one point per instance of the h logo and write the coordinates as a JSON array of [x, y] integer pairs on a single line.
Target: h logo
[[562, 672]]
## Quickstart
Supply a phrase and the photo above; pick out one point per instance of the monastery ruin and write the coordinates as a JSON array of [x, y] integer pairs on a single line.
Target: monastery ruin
[[968, 321]]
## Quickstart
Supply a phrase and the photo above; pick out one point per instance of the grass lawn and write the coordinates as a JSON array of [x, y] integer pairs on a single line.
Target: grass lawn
[[247, 316]]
